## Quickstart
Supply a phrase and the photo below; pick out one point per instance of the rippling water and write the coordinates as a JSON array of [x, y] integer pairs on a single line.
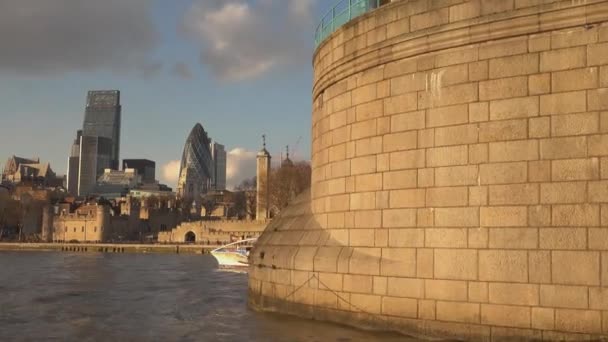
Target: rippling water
[[138, 297]]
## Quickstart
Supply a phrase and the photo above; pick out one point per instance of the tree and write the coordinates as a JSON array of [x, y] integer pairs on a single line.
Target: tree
[[245, 198], [286, 182]]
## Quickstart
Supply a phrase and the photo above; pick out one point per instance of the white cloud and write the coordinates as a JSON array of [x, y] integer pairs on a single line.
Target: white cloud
[[240, 165], [242, 40], [170, 172]]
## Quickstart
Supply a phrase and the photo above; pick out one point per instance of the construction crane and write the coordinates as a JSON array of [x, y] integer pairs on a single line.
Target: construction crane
[[295, 148]]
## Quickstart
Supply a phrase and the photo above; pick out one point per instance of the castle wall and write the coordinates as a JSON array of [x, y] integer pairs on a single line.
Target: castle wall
[[460, 175]]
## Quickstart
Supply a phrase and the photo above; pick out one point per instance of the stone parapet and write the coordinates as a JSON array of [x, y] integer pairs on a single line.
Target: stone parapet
[[459, 175]]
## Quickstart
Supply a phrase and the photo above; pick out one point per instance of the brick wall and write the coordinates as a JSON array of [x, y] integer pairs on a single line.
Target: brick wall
[[460, 175]]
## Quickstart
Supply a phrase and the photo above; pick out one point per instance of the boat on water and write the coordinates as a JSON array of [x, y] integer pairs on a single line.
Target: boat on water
[[234, 254]]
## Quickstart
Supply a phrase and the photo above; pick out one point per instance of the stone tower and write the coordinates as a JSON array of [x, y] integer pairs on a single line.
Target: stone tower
[[263, 180], [459, 181]]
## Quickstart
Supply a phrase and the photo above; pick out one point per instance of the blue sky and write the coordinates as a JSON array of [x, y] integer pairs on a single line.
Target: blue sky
[[224, 63]]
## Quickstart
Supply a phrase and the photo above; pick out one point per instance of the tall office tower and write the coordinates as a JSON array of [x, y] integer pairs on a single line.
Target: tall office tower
[[196, 167], [95, 157], [102, 119], [218, 152], [74, 165], [145, 168]]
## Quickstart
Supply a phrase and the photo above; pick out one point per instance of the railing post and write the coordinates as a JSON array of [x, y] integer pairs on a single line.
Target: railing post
[[333, 19], [350, 7]]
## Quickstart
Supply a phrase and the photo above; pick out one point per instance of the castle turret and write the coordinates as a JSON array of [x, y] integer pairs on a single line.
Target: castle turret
[[262, 211]]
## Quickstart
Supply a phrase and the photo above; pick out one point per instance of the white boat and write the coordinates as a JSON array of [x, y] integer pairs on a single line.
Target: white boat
[[234, 254]]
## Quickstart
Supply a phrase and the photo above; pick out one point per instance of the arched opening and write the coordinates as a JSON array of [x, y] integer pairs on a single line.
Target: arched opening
[[190, 237]]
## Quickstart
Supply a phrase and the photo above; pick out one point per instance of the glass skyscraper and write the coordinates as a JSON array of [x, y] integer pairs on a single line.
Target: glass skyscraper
[[219, 166], [196, 168], [102, 119]]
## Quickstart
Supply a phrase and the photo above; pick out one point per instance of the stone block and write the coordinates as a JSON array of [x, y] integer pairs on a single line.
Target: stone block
[[405, 287], [598, 238], [604, 168], [539, 171], [604, 122], [363, 129], [478, 153], [425, 218], [407, 121], [503, 173], [398, 104], [604, 77], [370, 182], [575, 267], [368, 303], [598, 145], [479, 111], [447, 197], [514, 238], [597, 54], [361, 237], [380, 238], [446, 237], [398, 262], [426, 138], [447, 96], [401, 307], [577, 79], [456, 264], [407, 160], [457, 217], [478, 71], [398, 27], [539, 263], [563, 192], [505, 315], [504, 47], [575, 124], [503, 265], [365, 261], [503, 130], [398, 68], [513, 194], [514, 66], [426, 309], [465, 11], [563, 103], [478, 195], [358, 283], [383, 89], [453, 290], [575, 215], [364, 94], [562, 148], [598, 298], [478, 292], [513, 216], [426, 178], [456, 56], [409, 198], [503, 88], [429, 19], [598, 191], [399, 141], [363, 200], [458, 312], [575, 169], [581, 321], [562, 59], [539, 127], [560, 296], [326, 258], [447, 116], [539, 84], [446, 156], [399, 179], [409, 83], [519, 107], [406, 237], [513, 294], [573, 37], [597, 99], [424, 263], [478, 237], [538, 42], [456, 175], [456, 135], [543, 318]]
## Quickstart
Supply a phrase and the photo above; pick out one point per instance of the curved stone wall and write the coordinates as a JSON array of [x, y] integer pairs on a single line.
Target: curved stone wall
[[460, 175]]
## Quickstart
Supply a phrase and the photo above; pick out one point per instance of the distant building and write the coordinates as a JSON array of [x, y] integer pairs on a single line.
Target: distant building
[[95, 157], [97, 145], [102, 118], [21, 170], [196, 165], [263, 183], [144, 167], [218, 152], [114, 184]]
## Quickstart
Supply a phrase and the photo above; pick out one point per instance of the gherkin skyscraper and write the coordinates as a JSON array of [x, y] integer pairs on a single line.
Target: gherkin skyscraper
[[196, 171]]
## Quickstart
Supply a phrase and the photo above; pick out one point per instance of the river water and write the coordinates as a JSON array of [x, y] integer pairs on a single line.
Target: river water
[[141, 297]]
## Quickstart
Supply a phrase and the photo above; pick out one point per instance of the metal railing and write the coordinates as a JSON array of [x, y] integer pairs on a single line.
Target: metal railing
[[341, 13]]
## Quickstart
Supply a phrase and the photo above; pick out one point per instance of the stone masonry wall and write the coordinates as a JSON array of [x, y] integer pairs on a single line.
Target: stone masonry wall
[[460, 175]]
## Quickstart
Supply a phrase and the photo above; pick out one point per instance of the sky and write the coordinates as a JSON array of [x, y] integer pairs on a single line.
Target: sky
[[242, 68]]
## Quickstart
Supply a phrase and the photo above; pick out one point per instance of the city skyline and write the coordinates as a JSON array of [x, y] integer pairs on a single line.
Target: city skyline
[[180, 82]]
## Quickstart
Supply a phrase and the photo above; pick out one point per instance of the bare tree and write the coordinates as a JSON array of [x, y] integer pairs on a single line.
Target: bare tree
[[286, 182]]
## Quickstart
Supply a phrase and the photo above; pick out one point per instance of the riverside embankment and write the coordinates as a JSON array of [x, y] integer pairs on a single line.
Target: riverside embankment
[[109, 248]]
